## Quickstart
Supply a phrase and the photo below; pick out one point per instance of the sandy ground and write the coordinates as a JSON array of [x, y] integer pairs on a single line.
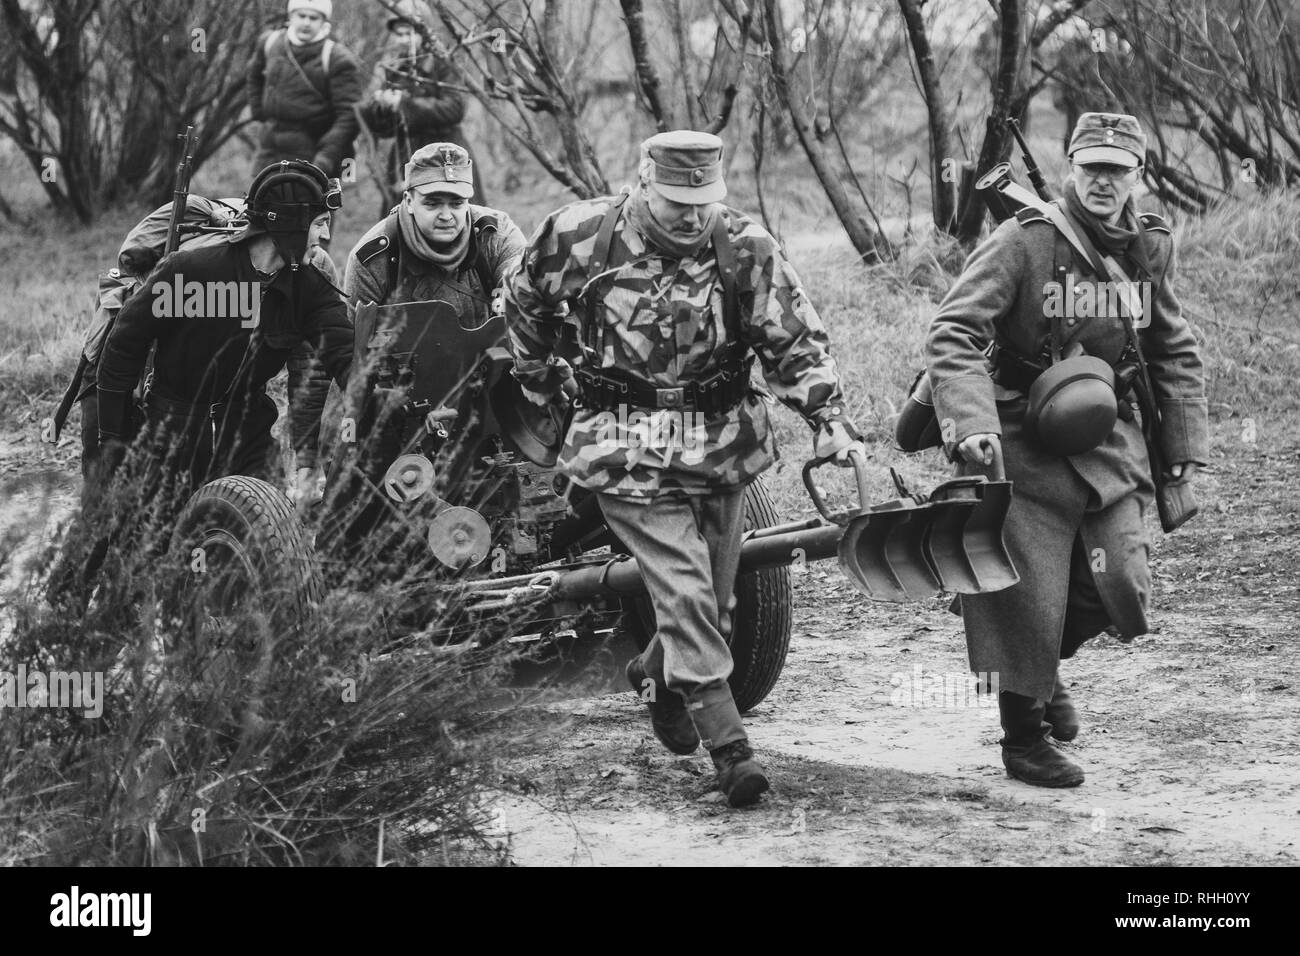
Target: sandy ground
[[1190, 740], [1191, 735]]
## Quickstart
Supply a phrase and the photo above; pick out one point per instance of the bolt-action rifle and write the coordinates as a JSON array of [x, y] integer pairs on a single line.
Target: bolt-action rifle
[[180, 197], [180, 200], [1031, 168], [181, 192]]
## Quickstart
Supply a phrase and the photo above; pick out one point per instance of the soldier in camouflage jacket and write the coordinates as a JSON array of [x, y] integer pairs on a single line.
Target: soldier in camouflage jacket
[[670, 469]]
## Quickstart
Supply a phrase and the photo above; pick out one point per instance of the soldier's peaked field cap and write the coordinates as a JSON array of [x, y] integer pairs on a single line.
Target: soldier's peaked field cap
[[441, 168], [1115, 138], [684, 165]]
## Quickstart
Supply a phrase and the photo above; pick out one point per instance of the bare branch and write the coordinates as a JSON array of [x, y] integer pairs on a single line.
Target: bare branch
[[647, 75], [869, 243], [940, 118]]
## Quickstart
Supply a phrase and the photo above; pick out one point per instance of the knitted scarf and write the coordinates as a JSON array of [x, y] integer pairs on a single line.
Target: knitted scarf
[[1111, 238], [447, 257], [663, 239]]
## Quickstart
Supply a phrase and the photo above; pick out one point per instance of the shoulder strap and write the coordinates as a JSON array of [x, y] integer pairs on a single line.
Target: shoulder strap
[[269, 47], [482, 227], [605, 236], [725, 254], [393, 235], [1154, 222], [1030, 214], [325, 50], [599, 260], [386, 243], [293, 61]]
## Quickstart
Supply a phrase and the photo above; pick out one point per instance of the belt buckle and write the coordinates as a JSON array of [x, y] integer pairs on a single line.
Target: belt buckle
[[669, 397]]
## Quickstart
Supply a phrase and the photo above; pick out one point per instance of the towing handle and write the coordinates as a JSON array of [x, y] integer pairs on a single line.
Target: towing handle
[[859, 462]]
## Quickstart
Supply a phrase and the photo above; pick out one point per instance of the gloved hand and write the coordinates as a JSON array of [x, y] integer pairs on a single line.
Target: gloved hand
[[836, 437], [307, 486]]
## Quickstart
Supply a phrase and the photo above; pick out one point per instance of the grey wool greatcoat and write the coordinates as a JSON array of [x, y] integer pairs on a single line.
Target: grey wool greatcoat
[[1075, 529]]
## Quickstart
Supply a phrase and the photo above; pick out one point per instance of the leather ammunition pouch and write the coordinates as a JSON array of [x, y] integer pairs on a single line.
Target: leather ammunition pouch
[[607, 389]]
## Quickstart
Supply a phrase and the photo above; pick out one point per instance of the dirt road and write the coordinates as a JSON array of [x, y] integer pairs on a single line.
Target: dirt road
[[879, 755]]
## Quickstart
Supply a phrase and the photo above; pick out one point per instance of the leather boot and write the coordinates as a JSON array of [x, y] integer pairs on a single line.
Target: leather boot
[[1060, 713], [1026, 752], [672, 725], [740, 778]]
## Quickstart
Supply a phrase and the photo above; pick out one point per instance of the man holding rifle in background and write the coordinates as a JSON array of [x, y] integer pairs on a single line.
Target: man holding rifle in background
[[1031, 356]]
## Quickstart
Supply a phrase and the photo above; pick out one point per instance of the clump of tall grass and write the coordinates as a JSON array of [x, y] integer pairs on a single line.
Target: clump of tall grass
[[261, 730], [1239, 288]]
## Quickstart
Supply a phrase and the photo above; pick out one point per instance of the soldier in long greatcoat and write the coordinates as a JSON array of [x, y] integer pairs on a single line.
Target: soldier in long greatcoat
[[1076, 528], [665, 345]]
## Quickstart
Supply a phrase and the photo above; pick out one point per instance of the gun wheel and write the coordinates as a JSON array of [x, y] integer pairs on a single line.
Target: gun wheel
[[245, 553]]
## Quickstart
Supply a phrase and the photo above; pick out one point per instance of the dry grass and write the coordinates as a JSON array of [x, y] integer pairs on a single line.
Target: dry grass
[[259, 735]]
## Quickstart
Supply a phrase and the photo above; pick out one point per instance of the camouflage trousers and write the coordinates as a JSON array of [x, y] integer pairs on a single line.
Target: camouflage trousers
[[688, 549]]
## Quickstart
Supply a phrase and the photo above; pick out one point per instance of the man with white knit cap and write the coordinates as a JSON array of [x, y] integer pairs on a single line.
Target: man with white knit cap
[[303, 86]]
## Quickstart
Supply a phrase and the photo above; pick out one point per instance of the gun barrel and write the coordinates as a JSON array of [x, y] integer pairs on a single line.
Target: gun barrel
[[1031, 168], [770, 548], [181, 192]]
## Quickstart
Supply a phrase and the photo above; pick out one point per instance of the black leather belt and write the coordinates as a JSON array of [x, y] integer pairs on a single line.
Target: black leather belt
[[609, 388], [1013, 371]]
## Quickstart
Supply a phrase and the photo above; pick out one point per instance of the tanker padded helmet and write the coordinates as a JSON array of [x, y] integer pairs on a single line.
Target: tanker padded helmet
[[286, 196], [1072, 406], [283, 200]]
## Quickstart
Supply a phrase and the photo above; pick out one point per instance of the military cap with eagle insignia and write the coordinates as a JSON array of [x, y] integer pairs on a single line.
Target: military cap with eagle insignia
[[1115, 138], [443, 168]]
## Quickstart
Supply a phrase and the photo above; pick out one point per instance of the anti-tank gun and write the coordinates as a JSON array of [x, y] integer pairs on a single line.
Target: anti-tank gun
[[446, 486]]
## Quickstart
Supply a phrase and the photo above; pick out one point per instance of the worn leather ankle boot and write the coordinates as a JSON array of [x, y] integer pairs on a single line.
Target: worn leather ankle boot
[[1060, 713], [740, 778], [672, 725], [715, 716], [1026, 752]]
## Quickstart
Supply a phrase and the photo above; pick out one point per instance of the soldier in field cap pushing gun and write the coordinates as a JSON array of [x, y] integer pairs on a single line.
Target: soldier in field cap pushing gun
[[1074, 303], [672, 291]]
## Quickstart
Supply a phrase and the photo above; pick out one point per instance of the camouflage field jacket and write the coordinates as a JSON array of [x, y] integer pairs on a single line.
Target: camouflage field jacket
[[661, 319]]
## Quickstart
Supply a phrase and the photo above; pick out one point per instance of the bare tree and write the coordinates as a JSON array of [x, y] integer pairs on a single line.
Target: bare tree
[[943, 194], [867, 239], [100, 87], [1019, 38], [1228, 72]]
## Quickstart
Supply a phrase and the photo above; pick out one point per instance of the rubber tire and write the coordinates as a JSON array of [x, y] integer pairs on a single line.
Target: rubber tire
[[760, 627], [255, 521]]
